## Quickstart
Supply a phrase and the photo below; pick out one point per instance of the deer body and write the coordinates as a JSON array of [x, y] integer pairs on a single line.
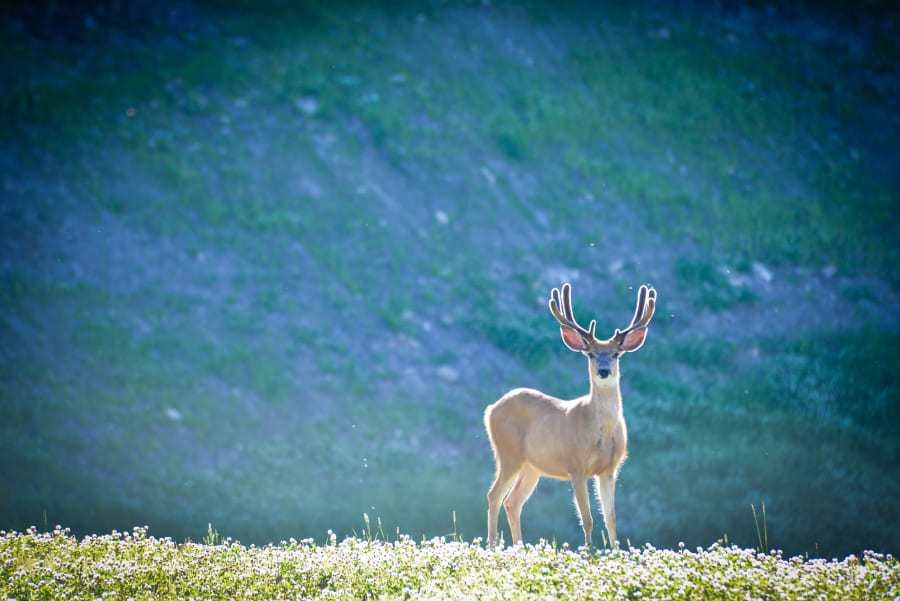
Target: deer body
[[592, 426], [534, 434]]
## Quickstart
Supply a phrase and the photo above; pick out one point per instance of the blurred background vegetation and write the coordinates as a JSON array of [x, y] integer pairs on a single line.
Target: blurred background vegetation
[[265, 263]]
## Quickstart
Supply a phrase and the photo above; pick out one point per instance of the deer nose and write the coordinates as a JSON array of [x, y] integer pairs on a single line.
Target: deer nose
[[603, 372]]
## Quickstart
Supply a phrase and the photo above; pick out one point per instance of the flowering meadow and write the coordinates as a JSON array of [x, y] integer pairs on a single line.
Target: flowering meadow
[[57, 565]]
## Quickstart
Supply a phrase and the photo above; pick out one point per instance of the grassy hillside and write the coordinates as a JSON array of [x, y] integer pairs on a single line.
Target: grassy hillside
[[264, 265]]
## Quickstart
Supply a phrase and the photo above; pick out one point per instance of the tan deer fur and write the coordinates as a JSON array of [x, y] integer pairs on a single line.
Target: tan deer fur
[[533, 434]]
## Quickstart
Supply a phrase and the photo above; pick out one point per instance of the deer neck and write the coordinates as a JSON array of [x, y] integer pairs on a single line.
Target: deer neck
[[605, 395]]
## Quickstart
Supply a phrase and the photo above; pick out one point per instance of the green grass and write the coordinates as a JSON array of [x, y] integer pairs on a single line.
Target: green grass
[[56, 565], [712, 161], [710, 284]]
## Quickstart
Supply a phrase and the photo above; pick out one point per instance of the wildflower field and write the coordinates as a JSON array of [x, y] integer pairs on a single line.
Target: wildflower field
[[57, 565]]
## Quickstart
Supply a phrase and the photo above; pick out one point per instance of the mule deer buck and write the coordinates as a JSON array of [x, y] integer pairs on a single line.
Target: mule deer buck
[[534, 434]]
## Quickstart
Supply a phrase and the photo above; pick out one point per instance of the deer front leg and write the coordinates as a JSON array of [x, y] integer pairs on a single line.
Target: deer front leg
[[606, 490], [579, 483]]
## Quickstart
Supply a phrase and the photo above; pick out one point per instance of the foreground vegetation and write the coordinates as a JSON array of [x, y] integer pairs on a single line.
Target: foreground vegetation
[[57, 565]]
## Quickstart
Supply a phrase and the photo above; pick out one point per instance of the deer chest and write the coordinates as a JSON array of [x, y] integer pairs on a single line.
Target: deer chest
[[607, 454]]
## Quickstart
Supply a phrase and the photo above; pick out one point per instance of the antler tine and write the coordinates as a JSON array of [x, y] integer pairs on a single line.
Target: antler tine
[[646, 306], [567, 302], [647, 313], [565, 316], [554, 306], [639, 309]]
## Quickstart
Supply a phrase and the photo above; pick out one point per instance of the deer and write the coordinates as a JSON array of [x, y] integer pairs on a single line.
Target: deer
[[533, 434]]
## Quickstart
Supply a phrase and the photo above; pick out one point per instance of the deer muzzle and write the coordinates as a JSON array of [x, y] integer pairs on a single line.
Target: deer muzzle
[[603, 363]]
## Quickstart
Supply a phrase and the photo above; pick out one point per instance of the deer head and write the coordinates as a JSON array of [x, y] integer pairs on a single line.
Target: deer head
[[602, 354]]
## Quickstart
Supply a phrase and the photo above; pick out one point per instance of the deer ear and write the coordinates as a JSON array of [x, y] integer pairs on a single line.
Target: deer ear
[[634, 340], [573, 339]]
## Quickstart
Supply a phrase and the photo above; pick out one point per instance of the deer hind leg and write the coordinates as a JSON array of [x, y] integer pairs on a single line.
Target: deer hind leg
[[582, 500], [521, 491], [606, 490], [495, 497]]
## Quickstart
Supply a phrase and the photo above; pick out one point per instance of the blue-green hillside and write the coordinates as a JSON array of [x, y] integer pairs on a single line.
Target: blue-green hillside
[[264, 264]]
